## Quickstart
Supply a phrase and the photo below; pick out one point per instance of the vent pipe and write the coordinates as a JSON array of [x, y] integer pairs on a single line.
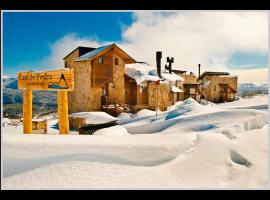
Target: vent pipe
[[199, 67], [170, 61], [158, 59]]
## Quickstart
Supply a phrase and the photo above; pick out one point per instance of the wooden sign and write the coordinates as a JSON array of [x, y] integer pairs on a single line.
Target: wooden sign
[[56, 80], [61, 80]]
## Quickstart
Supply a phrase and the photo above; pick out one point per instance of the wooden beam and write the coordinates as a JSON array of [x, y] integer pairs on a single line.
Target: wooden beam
[[63, 112], [27, 111]]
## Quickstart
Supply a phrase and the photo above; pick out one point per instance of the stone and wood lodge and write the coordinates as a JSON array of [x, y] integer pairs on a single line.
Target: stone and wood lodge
[[108, 79]]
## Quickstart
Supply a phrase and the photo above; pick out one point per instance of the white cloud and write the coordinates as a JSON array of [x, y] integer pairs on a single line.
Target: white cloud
[[251, 75], [208, 38], [191, 37], [64, 46], [4, 76]]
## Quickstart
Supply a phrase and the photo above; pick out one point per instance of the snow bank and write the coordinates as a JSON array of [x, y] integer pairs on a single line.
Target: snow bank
[[144, 112], [192, 145], [95, 117], [124, 115], [255, 102], [114, 130]]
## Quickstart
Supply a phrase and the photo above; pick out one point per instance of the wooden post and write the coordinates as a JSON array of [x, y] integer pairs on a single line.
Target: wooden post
[[63, 112], [157, 103], [27, 111]]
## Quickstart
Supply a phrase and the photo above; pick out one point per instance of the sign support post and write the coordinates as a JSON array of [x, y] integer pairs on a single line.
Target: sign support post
[[63, 112], [27, 111], [60, 80]]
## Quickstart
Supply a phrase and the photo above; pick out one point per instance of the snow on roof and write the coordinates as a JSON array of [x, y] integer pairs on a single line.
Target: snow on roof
[[165, 74], [172, 76], [92, 53], [176, 89], [95, 117], [140, 72]]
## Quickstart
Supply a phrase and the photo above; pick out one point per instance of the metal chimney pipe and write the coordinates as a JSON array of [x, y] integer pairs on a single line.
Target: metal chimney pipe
[[199, 66], [158, 59]]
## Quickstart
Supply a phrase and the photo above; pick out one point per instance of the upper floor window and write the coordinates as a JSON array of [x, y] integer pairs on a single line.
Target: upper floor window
[[100, 60], [116, 61]]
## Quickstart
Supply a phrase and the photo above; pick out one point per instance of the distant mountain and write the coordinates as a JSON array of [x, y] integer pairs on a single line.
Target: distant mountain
[[43, 101], [244, 88], [12, 85]]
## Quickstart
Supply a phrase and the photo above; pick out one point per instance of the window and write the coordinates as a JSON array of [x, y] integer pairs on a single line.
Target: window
[[192, 91], [116, 61], [143, 89], [100, 60]]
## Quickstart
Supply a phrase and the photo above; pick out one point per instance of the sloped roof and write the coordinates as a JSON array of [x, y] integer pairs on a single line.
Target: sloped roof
[[208, 73], [176, 89], [92, 53], [82, 51], [100, 50]]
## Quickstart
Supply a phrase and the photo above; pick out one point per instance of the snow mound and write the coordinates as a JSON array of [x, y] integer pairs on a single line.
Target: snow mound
[[190, 101], [95, 117], [207, 103], [114, 130], [144, 112], [124, 115]]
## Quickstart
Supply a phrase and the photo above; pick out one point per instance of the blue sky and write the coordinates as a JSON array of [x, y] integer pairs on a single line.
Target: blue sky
[[28, 37]]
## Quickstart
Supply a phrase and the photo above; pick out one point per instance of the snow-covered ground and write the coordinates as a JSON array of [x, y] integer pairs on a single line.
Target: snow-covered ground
[[189, 146]]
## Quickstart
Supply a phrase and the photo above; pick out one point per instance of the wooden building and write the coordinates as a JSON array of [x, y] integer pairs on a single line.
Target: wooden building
[[190, 85], [218, 87], [137, 86], [98, 78]]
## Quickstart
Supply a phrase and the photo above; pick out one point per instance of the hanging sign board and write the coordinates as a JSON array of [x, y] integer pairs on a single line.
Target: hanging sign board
[[55, 80]]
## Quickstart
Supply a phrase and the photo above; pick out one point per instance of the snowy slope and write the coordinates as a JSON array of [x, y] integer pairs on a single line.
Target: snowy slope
[[190, 145]]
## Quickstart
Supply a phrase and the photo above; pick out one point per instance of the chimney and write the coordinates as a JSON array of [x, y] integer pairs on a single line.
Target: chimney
[[199, 66], [170, 61], [158, 59]]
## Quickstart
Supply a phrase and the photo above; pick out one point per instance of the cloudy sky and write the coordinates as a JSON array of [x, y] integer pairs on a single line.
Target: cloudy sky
[[219, 40]]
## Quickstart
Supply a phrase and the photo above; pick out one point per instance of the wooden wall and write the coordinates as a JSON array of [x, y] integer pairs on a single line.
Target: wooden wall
[[130, 91], [163, 95], [90, 77], [118, 79], [212, 92]]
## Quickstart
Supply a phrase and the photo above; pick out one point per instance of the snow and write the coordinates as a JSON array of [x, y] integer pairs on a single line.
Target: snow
[[256, 102], [139, 73], [95, 117], [114, 130], [124, 115], [176, 89], [166, 75], [191, 145], [172, 76]]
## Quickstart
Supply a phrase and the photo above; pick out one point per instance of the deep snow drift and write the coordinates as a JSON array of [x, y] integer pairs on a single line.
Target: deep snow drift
[[190, 145]]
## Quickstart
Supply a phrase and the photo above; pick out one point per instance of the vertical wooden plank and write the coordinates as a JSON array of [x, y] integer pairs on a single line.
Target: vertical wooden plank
[[27, 111], [63, 112]]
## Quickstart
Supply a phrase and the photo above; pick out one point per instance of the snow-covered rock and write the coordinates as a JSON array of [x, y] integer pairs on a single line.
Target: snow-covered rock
[[114, 130], [95, 117]]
